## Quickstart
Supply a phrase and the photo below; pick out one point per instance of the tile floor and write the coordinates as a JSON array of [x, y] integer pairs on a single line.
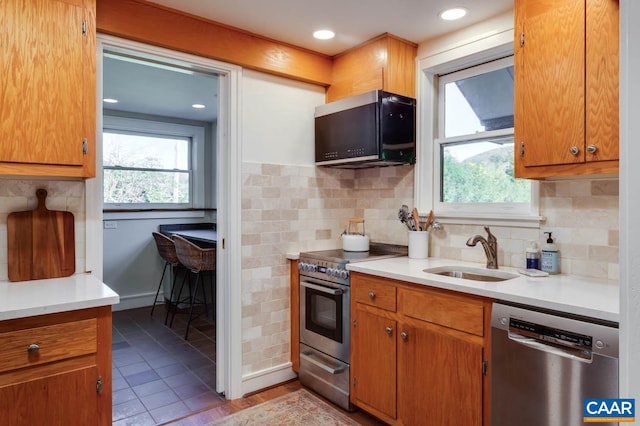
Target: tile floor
[[157, 375]]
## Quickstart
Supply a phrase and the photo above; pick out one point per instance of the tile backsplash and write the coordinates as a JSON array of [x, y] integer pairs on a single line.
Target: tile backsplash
[[20, 195], [288, 209]]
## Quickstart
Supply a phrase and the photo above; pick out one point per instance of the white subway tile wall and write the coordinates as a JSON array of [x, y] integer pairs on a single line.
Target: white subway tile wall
[[20, 194]]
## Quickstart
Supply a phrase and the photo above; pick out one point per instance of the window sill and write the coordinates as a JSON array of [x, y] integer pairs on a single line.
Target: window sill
[[515, 221], [154, 214]]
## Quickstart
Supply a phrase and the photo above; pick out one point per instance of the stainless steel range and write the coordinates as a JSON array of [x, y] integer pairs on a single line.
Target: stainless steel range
[[325, 317]]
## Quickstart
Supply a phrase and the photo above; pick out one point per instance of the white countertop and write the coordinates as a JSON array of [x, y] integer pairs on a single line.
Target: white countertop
[[39, 297], [566, 293]]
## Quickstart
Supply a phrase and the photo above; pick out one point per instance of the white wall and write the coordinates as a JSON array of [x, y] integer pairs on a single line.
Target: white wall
[[629, 201], [278, 119]]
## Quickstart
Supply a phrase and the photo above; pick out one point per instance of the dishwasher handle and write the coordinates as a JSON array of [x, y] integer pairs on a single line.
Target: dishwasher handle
[[584, 356]]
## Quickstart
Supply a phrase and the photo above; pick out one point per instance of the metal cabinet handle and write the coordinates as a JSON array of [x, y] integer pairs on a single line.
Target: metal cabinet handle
[[389, 330], [574, 150], [33, 348], [404, 335], [372, 295], [591, 149]]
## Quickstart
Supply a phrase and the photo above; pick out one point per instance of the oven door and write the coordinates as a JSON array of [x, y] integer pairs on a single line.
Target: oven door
[[324, 317]]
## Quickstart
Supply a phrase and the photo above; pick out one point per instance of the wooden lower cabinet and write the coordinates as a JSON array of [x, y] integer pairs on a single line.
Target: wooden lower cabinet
[[375, 377], [419, 356], [56, 369]]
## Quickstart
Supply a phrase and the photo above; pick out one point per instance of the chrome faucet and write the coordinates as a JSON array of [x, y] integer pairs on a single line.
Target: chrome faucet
[[490, 246]]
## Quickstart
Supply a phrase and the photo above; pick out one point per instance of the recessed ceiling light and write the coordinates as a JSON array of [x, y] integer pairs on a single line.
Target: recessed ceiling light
[[110, 101], [324, 34], [198, 106], [453, 14]]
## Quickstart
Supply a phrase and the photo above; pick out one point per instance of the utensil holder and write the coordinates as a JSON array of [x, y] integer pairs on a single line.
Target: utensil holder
[[418, 244]]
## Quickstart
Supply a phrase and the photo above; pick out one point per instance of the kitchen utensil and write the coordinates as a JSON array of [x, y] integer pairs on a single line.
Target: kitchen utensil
[[429, 222], [405, 217], [416, 220], [40, 243], [354, 239]]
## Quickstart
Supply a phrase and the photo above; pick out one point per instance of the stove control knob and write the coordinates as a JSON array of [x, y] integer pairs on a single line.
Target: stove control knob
[[344, 274], [330, 272], [301, 266], [313, 268]]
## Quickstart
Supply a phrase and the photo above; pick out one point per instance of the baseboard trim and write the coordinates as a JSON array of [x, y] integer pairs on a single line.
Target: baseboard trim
[[135, 301], [267, 378]]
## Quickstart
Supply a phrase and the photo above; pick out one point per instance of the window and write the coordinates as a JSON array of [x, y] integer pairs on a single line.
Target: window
[[473, 147], [149, 164]]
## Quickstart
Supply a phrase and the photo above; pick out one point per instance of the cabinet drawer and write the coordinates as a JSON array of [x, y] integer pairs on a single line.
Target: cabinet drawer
[[378, 293], [450, 311], [55, 342]]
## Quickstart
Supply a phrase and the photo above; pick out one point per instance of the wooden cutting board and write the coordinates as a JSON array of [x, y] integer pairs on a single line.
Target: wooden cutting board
[[40, 243]]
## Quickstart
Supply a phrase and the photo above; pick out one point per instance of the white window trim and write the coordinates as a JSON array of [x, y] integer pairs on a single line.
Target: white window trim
[[197, 136], [484, 49]]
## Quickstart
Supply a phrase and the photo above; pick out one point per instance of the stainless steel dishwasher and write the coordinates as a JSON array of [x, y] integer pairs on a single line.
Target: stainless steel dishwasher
[[543, 365]]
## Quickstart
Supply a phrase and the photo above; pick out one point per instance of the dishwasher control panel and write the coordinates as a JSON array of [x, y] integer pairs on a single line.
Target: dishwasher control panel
[[550, 334]]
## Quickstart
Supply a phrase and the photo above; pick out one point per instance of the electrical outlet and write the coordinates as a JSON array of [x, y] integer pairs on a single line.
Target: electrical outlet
[[110, 224]]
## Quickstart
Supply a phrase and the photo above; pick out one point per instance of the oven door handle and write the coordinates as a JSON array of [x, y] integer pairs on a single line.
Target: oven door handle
[[331, 291], [307, 356]]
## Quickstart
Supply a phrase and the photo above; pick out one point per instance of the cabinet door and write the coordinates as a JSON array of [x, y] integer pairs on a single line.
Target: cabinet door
[[602, 65], [549, 82], [43, 68], [374, 362], [439, 378], [62, 399]]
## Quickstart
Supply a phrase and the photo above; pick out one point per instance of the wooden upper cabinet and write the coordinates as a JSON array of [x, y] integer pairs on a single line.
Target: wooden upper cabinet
[[383, 63], [47, 95], [566, 87]]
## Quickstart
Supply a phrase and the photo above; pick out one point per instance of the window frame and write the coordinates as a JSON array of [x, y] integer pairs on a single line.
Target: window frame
[[427, 170], [196, 134]]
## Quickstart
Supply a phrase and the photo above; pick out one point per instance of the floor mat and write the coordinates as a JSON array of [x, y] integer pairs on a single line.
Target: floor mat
[[298, 408]]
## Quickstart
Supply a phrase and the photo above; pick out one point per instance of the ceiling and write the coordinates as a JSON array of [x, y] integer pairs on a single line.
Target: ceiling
[[156, 90], [353, 21]]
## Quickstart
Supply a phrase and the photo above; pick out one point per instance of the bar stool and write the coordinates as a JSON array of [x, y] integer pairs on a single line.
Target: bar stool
[[167, 251], [197, 260]]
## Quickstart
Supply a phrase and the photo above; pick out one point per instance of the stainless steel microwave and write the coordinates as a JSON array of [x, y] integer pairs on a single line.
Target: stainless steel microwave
[[373, 129]]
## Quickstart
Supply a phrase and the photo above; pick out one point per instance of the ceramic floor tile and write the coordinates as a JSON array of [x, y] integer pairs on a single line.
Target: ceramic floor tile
[[159, 399], [126, 359], [150, 388], [170, 412], [127, 409], [191, 390], [153, 381], [171, 370], [181, 379], [122, 396], [143, 419], [118, 384], [141, 378], [136, 367], [204, 400]]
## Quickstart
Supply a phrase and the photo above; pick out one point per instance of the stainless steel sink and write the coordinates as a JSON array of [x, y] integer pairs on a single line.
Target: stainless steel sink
[[473, 274]]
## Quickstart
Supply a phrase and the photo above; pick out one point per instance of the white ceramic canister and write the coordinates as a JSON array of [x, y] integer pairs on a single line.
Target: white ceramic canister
[[418, 244]]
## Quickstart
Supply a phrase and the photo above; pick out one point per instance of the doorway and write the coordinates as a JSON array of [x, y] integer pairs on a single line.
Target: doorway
[[219, 190]]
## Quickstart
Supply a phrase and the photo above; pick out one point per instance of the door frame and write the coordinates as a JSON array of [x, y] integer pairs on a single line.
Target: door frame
[[228, 188]]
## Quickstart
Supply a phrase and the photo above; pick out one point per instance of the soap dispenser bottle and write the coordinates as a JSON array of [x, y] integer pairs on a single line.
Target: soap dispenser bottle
[[549, 259], [533, 255]]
